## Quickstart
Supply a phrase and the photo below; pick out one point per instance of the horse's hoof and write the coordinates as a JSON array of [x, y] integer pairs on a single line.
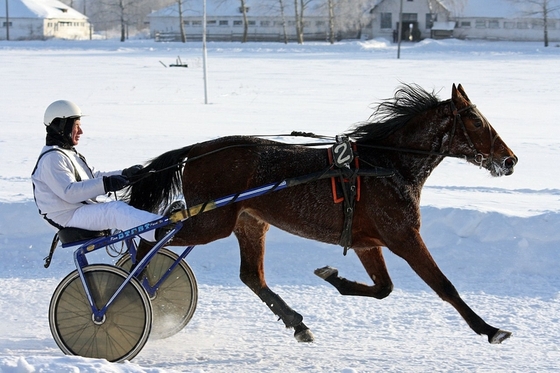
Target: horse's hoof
[[303, 334], [499, 337], [326, 272]]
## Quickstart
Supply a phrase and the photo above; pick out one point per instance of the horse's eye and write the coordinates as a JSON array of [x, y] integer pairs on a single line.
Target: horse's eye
[[478, 123]]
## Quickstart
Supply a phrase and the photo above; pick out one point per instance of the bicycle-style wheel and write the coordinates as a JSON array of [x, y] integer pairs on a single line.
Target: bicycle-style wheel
[[124, 330], [175, 300]]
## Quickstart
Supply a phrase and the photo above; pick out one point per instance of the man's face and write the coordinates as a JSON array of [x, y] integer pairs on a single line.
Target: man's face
[[76, 132]]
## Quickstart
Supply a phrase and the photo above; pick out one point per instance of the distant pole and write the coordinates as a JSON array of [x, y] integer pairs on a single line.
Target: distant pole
[[7, 22], [204, 52], [400, 33]]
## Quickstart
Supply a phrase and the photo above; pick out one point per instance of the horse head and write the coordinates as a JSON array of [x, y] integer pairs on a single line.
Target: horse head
[[482, 145]]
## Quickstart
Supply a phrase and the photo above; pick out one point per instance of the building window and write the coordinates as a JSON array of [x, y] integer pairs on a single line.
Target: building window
[[252, 23], [493, 24], [320, 23], [410, 17], [509, 25], [386, 20], [480, 23], [238, 23], [224, 23], [430, 19], [212, 22], [186, 23], [9, 24], [246, 9], [196, 23], [265, 23], [466, 24], [537, 25], [551, 24], [522, 25]]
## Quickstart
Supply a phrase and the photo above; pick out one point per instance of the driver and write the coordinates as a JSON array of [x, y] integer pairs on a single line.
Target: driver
[[70, 193]]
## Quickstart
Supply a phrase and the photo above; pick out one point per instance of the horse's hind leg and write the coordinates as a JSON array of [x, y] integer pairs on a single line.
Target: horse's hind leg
[[250, 233], [373, 262]]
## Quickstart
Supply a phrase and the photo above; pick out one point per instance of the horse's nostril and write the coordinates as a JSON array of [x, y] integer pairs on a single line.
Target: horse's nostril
[[510, 162]]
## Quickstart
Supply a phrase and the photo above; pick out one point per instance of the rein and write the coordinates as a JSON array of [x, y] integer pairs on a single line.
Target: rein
[[478, 158]]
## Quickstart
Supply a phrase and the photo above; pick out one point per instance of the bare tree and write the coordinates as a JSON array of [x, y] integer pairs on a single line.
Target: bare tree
[[299, 31], [331, 20], [299, 17], [539, 8], [347, 17], [120, 14], [284, 31], [245, 22], [181, 24]]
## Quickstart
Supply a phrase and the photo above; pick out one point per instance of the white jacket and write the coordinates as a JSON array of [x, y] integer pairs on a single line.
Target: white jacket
[[63, 182]]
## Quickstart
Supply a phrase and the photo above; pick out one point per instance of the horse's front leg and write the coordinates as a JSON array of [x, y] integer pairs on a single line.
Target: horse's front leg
[[411, 247], [374, 263], [250, 233]]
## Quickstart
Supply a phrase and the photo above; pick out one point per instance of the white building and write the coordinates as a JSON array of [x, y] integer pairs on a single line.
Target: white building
[[504, 20], [265, 19], [41, 19], [421, 19]]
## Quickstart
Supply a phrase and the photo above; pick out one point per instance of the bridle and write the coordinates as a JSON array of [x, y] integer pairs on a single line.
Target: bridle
[[445, 151], [478, 157]]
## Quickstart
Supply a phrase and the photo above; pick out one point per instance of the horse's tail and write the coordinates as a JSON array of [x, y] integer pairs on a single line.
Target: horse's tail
[[158, 182]]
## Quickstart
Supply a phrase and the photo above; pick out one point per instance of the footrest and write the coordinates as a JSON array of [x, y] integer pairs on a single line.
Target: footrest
[[68, 235]]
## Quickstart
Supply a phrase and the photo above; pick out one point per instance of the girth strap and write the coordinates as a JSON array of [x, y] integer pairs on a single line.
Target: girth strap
[[349, 189], [341, 155]]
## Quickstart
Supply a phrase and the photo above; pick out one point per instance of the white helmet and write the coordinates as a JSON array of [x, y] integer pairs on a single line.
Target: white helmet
[[61, 109]]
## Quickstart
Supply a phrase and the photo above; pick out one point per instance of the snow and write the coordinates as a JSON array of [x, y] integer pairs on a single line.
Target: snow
[[495, 238]]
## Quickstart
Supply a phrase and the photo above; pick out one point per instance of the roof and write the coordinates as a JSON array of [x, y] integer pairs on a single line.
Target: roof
[[444, 3], [39, 9], [489, 9]]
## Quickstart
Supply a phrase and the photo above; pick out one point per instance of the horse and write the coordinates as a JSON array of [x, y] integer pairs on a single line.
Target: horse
[[410, 134]]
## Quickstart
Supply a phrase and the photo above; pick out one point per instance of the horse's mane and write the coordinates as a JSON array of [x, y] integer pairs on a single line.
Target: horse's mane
[[158, 182], [392, 114]]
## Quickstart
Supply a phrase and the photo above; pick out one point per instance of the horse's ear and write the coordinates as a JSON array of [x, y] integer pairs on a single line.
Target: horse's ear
[[454, 92], [459, 97], [462, 90]]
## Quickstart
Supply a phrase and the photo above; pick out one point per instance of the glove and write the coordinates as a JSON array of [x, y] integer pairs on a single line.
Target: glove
[[114, 182], [131, 171]]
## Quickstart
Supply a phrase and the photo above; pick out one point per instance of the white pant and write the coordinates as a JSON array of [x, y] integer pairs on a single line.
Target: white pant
[[112, 215]]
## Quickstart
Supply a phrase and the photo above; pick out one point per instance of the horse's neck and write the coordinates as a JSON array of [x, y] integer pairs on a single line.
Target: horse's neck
[[420, 145]]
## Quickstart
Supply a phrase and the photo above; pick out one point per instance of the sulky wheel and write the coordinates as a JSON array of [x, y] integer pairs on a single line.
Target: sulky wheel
[[174, 302], [123, 331]]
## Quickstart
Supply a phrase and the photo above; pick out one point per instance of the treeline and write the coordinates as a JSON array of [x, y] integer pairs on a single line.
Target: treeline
[[130, 16]]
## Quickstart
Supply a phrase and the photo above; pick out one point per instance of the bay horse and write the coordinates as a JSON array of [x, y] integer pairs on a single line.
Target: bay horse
[[410, 134]]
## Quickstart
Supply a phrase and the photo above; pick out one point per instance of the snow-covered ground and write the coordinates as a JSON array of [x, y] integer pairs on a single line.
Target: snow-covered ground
[[496, 239]]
